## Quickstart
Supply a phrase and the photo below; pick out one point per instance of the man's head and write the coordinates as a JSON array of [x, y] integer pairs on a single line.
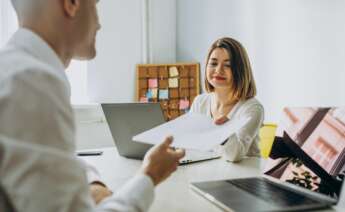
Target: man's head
[[69, 26]]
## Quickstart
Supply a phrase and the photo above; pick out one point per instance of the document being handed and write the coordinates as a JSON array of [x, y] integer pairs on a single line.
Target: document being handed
[[191, 131]]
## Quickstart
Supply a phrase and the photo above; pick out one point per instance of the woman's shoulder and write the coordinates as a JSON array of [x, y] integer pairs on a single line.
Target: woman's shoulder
[[252, 108], [201, 103], [252, 103], [202, 98]]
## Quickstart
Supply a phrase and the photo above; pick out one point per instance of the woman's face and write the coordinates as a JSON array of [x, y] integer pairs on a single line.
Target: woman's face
[[218, 70]]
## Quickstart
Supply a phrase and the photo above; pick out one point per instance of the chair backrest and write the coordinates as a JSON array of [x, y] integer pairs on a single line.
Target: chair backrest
[[266, 134]]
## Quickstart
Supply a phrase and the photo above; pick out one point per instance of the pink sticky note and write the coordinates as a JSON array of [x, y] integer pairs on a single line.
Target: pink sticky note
[[153, 83], [144, 100], [184, 104]]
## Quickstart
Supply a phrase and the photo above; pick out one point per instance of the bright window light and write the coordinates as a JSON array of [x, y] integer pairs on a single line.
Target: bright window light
[[76, 72]]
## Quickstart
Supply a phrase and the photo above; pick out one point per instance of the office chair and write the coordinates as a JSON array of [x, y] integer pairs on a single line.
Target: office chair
[[266, 134]]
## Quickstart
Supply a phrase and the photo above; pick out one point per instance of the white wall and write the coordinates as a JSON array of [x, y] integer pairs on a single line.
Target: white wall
[[296, 47], [162, 31], [111, 76]]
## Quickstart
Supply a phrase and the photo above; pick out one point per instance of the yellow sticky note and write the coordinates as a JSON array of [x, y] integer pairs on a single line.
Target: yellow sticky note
[[173, 72], [173, 82], [154, 93]]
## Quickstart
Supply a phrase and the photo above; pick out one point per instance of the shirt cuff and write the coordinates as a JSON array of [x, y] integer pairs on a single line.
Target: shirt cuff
[[91, 172], [136, 195], [232, 150], [139, 191]]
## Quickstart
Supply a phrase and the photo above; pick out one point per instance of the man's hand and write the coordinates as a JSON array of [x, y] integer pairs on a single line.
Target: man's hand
[[221, 120], [161, 160], [99, 192]]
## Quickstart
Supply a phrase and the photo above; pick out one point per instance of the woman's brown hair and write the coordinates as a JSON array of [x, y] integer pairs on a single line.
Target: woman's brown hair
[[242, 76]]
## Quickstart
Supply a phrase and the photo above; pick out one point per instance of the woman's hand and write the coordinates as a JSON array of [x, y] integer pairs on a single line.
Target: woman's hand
[[221, 120]]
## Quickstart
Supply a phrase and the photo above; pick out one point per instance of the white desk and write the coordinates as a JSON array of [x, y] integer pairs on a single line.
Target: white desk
[[174, 194]]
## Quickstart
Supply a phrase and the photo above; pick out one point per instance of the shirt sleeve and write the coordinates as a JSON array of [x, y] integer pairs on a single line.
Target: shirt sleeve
[[136, 195], [238, 144], [38, 168], [91, 172]]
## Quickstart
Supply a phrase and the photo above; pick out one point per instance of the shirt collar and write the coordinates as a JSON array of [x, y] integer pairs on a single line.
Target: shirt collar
[[36, 46]]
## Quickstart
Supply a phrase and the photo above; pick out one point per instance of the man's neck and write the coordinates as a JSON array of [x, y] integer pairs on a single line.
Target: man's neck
[[54, 43]]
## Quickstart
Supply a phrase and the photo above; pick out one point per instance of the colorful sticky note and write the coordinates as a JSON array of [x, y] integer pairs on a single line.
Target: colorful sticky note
[[173, 82], [184, 104], [163, 94], [149, 94], [173, 72], [153, 83], [143, 100], [154, 93]]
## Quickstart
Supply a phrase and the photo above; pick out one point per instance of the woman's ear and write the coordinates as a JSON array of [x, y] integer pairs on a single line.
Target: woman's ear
[[71, 7]]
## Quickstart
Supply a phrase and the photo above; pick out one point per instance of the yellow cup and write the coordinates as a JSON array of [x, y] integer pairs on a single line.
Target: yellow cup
[[266, 134]]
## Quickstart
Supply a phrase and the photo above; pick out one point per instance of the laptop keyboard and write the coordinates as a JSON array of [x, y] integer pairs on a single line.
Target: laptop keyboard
[[270, 192]]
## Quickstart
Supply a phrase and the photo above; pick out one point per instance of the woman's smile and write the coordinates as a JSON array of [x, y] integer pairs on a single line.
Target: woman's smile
[[219, 78]]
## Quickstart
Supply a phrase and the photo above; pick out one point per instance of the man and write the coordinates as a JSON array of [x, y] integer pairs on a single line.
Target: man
[[38, 170]]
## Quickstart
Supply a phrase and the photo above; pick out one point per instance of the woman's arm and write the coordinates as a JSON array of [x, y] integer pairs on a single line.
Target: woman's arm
[[238, 144]]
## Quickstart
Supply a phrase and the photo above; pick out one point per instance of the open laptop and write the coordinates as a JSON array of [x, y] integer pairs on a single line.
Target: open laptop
[[128, 119], [305, 170]]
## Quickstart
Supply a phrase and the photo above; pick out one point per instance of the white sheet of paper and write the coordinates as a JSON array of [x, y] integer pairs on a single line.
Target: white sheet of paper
[[191, 131]]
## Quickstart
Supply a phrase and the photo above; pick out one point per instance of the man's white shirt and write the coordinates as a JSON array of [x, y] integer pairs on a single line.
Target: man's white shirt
[[38, 169]]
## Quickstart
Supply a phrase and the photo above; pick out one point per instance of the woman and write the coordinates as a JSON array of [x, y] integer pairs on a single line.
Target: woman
[[230, 96]]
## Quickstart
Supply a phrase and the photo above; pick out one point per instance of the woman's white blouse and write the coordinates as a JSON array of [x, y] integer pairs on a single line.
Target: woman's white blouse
[[245, 141]]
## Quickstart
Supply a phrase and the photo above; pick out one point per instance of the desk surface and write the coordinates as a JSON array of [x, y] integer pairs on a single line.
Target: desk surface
[[174, 194]]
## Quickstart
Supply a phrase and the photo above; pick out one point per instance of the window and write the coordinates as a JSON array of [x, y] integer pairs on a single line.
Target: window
[[8, 21], [323, 153], [76, 72]]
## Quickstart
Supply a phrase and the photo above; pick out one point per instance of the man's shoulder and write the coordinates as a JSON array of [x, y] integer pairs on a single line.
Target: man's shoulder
[[15, 61], [24, 77], [18, 66]]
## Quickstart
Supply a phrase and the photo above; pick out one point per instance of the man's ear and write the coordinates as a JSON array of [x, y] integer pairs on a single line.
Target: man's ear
[[71, 7]]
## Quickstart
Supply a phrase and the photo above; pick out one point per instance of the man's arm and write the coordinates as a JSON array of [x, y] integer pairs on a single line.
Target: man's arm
[[137, 195], [38, 119], [38, 168]]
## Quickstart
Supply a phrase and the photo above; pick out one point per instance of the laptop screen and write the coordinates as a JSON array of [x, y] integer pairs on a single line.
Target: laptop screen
[[309, 149]]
